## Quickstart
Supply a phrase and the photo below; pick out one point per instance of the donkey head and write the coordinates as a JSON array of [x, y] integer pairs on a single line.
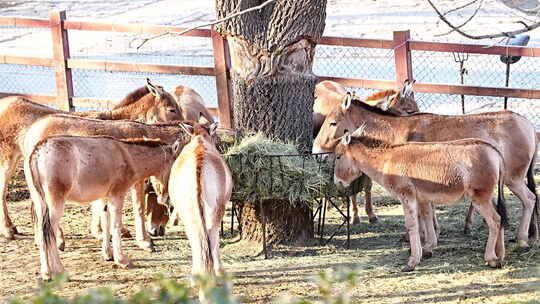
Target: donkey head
[[334, 126], [164, 107], [345, 170], [160, 181]]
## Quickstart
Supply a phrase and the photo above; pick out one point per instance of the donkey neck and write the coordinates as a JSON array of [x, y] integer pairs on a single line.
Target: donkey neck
[[387, 127], [369, 160], [135, 111]]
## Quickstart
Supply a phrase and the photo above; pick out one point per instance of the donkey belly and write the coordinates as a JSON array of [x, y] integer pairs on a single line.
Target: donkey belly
[[441, 194]]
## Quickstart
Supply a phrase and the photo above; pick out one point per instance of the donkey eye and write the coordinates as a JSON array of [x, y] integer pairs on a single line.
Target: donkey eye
[[172, 110], [333, 124]]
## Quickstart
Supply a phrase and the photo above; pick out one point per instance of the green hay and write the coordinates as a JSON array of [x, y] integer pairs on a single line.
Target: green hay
[[261, 176]]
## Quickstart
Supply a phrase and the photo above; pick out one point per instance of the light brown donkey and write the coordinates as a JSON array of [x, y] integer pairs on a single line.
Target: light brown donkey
[[200, 186], [418, 174], [86, 169], [192, 104], [59, 124], [148, 103], [329, 95], [510, 133]]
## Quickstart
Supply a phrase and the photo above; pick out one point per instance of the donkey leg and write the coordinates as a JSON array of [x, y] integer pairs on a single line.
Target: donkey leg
[[116, 205], [354, 209], [7, 167], [527, 202], [56, 212], [493, 220], [469, 219], [500, 248], [430, 236], [367, 201], [97, 208], [213, 234], [106, 249], [139, 209], [410, 210]]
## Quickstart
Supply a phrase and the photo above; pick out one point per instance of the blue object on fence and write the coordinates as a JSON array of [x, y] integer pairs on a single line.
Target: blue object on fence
[[520, 40]]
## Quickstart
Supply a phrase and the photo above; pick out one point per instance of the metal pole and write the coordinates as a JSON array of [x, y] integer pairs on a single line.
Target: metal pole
[[507, 83]]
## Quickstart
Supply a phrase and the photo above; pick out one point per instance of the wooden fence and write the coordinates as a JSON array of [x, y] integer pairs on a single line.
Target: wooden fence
[[401, 44]]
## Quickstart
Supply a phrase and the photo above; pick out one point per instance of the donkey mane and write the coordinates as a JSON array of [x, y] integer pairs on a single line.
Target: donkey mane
[[146, 142], [132, 97], [377, 143], [380, 95]]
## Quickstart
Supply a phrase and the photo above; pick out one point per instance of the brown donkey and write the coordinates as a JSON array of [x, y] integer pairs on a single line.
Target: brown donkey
[[192, 104], [59, 124], [86, 169], [330, 95], [147, 104], [200, 186], [418, 174], [510, 133]]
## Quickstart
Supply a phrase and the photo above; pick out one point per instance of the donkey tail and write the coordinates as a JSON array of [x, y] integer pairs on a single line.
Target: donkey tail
[[501, 203], [531, 184], [38, 200], [203, 239]]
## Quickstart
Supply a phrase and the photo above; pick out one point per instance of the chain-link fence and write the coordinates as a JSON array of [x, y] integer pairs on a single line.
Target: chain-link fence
[[334, 61]]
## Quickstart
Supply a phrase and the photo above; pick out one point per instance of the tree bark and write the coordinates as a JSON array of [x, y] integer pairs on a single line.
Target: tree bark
[[272, 87]]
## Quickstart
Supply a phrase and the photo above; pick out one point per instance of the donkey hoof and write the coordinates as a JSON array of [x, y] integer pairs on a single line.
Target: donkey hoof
[[523, 245], [62, 246], [125, 233], [125, 264], [495, 263], [356, 220], [407, 268], [153, 231], [147, 246], [161, 231], [7, 237], [373, 220], [13, 230], [427, 255]]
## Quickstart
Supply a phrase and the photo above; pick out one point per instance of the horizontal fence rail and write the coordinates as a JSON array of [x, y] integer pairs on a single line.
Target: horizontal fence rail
[[400, 48]]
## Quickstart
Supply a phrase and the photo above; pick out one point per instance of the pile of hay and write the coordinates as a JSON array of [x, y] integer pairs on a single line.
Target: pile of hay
[[265, 169]]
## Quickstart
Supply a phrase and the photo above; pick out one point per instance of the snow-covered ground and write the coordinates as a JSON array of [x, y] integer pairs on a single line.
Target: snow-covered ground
[[347, 18]]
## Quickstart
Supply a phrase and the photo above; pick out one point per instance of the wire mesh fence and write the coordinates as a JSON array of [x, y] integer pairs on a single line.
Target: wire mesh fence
[[25, 41], [354, 62], [333, 61], [116, 85], [481, 70]]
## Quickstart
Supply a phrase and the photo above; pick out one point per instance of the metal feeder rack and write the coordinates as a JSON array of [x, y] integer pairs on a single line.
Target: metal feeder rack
[[325, 197]]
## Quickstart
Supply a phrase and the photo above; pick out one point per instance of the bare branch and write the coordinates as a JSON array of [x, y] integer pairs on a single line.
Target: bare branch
[[490, 36], [460, 7], [251, 9], [466, 21]]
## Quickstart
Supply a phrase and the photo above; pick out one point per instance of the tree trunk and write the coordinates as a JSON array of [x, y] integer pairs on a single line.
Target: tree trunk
[[272, 87]]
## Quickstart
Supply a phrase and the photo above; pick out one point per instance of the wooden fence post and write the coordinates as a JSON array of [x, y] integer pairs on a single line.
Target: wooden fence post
[[60, 44], [222, 63], [402, 56]]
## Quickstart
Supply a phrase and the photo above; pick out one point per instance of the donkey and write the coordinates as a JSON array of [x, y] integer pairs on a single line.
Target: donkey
[[420, 173], [330, 94], [510, 133], [192, 104], [60, 124], [200, 186], [85, 169], [148, 104]]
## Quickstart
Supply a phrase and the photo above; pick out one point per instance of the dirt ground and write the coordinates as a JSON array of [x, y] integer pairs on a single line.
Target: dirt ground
[[455, 274]]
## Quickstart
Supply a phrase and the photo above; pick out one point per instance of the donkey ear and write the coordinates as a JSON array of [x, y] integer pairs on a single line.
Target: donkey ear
[[202, 119], [346, 139], [153, 89], [213, 128], [347, 100], [187, 128]]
